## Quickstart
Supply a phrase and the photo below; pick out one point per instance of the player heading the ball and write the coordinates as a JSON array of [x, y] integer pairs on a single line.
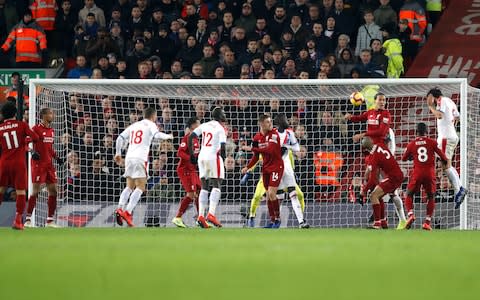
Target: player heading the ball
[[13, 166], [138, 137], [447, 115], [210, 165]]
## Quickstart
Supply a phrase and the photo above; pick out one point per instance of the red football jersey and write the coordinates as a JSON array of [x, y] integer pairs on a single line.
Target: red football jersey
[[184, 154], [381, 159], [13, 143], [423, 150], [378, 123], [44, 146], [269, 145]]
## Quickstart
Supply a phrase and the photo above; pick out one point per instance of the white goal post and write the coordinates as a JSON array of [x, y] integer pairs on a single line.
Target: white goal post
[[89, 113]]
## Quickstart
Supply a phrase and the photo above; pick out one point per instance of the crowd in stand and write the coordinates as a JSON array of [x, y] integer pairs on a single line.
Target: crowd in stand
[[218, 38]]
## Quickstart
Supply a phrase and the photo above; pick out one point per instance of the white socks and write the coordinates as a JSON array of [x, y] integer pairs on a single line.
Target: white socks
[[452, 175], [124, 197], [134, 198], [399, 207], [297, 208], [202, 202], [214, 199]]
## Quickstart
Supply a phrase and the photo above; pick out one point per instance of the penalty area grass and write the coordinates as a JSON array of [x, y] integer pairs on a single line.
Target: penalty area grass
[[223, 264]]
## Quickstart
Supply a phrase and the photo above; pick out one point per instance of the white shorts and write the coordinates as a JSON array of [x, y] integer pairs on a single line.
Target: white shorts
[[136, 168], [211, 168], [288, 178], [447, 146]]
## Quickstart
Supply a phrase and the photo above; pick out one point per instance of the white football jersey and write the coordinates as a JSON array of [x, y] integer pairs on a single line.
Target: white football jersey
[[391, 143], [446, 125], [213, 135], [289, 141], [140, 136]]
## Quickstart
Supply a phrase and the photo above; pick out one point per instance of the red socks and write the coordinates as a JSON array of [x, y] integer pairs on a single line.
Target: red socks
[[376, 212], [409, 204], [271, 210], [52, 206], [21, 203], [430, 207], [184, 206], [382, 210], [32, 201]]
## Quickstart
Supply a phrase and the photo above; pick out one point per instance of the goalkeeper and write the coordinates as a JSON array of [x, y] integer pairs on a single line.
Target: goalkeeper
[[296, 194]]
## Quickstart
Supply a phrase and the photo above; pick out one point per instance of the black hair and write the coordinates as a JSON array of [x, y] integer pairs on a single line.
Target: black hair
[[9, 110], [435, 92], [191, 121], [379, 94], [422, 128]]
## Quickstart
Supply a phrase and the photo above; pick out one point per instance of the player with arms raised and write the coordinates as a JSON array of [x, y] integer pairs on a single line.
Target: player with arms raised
[[43, 171], [138, 137], [210, 165], [187, 173], [380, 159], [267, 143], [13, 145], [422, 149], [446, 113]]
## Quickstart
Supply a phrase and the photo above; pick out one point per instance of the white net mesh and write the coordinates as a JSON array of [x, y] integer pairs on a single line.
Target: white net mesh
[[90, 114]]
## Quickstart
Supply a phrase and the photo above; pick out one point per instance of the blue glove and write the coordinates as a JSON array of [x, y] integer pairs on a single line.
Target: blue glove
[[245, 178]]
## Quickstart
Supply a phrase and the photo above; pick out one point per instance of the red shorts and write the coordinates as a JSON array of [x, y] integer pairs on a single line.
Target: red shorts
[[425, 179], [190, 180], [389, 185], [13, 174], [43, 174], [272, 178]]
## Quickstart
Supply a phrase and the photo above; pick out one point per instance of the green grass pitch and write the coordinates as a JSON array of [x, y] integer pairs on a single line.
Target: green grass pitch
[[238, 264]]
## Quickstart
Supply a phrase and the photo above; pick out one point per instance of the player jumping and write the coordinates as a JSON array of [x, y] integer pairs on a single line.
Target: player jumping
[[210, 165], [267, 143], [138, 137], [13, 173], [447, 115], [380, 159], [43, 171], [422, 149], [187, 173]]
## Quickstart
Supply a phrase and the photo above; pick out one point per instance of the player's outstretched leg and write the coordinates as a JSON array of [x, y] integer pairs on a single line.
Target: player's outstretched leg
[[52, 206], [460, 191], [184, 203], [202, 205], [428, 218], [402, 220], [128, 212], [297, 208]]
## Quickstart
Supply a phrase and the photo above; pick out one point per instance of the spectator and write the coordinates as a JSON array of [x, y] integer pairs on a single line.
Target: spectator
[[225, 29], [176, 69], [90, 26], [313, 16], [144, 71], [264, 9], [137, 21], [298, 8], [323, 44], [45, 12], [393, 50], [135, 56], [366, 67], [9, 19], [116, 17], [243, 120], [97, 74], [278, 24], [29, 42], [239, 42], [304, 62], [208, 61], [100, 45], [256, 70], [378, 55], [164, 47], [166, 122], [107, 70], [289, 70], [213, 39], [331, 31], [288, 45], [417, 20], [200, 33], [367, 32], [121, 69], [248, 54], [231, 68], [144, 8], [125, 8], [299, 32], [346, 63], [157, 20], [218, 72], [117, 37], [277, 62], [266, 44], [260, 28], [343, 43], [269, 74], [197, 71], [385, 13], [327, 8], [81, 69], [190, 21], [343, 18], [409, 47], [246, 20], [328, 134], [170, 10], [91, 7], [64, 23]]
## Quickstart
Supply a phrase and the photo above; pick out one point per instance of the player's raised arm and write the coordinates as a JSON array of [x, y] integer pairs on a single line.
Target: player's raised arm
[[357, 118], [407, 155], [194, 135], [32, 134]]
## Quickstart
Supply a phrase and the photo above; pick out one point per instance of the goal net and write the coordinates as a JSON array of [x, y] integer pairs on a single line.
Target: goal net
[[89, 114]]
